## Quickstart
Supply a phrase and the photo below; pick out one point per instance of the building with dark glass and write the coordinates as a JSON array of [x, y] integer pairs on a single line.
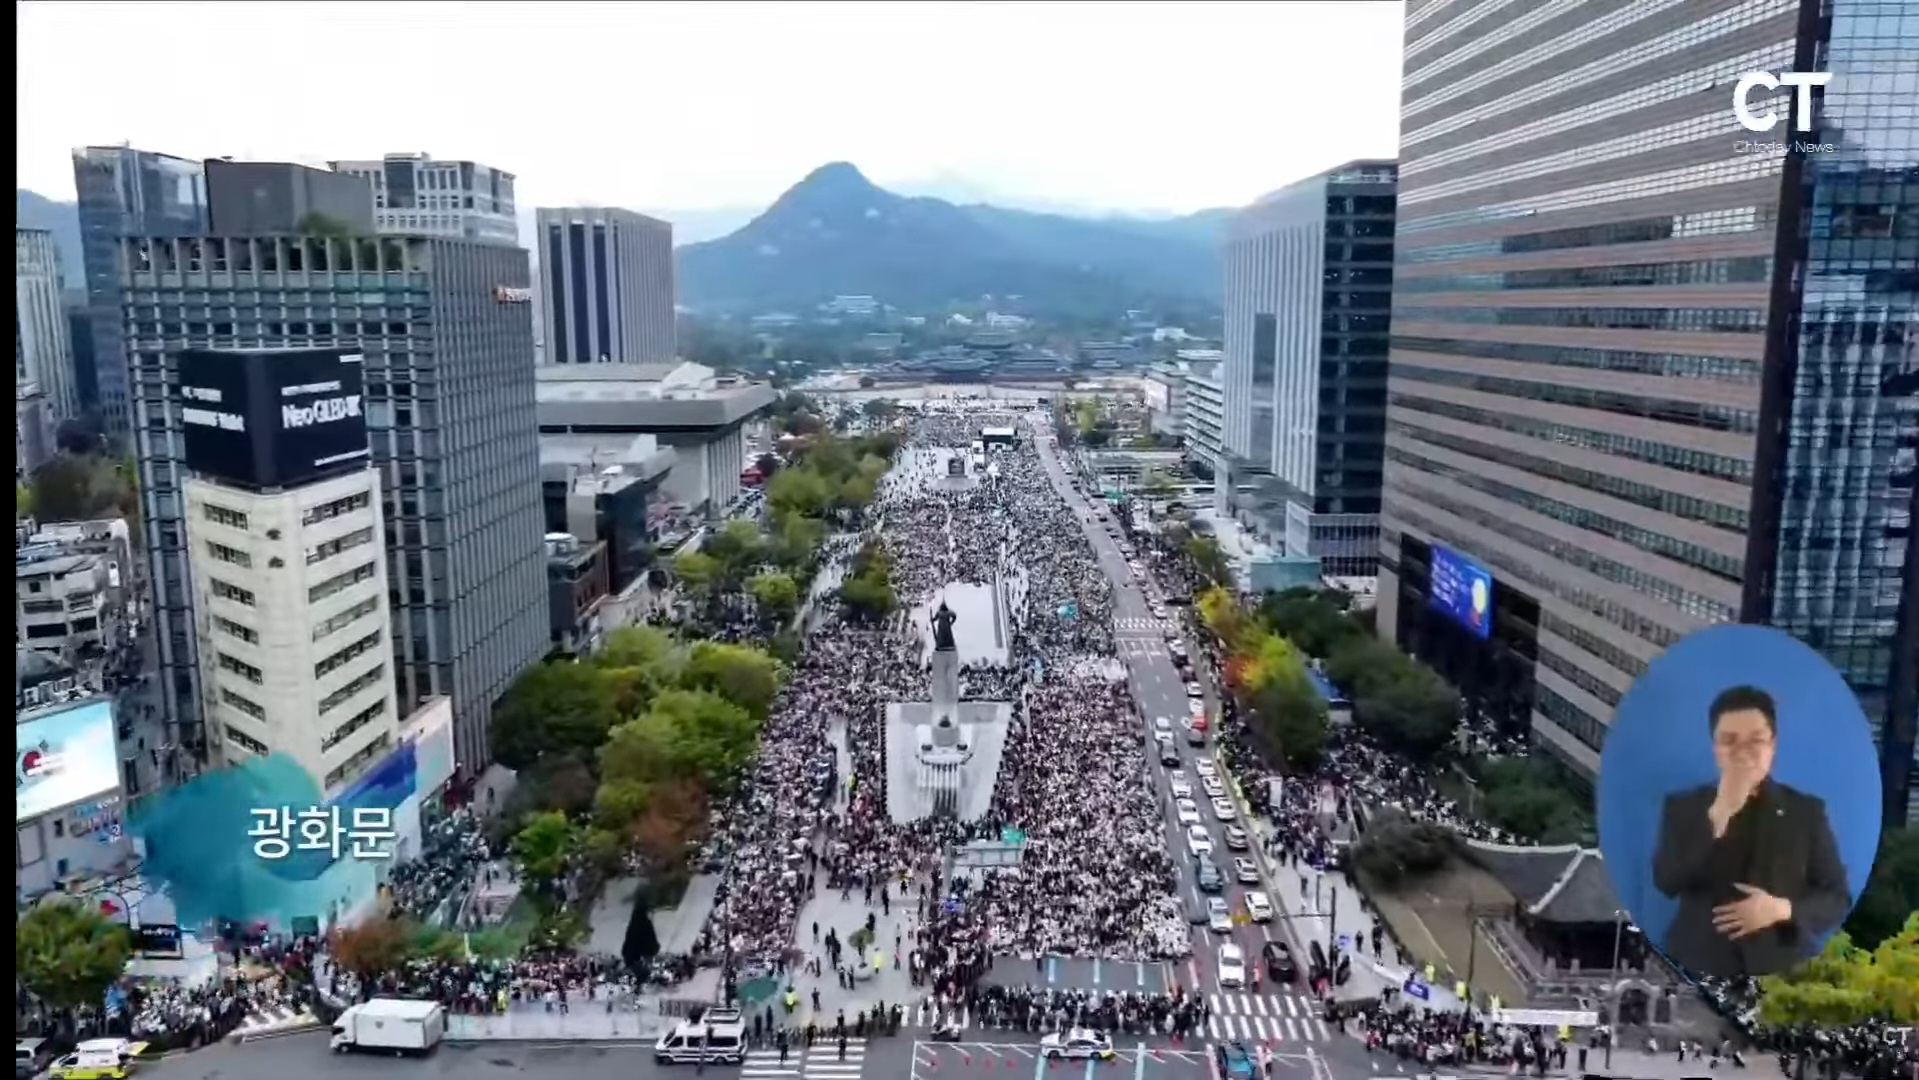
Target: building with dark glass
[[1651, 370], [450, 417], [124, 192], [1308, 291], [606, 286]]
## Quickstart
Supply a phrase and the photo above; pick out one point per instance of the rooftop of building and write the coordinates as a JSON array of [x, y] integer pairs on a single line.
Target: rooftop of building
[[645, 397], [603, 463], [52, 560], [1565, 883]]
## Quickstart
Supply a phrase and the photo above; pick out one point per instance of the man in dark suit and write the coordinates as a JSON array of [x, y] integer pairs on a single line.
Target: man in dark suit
[[1752, 862]]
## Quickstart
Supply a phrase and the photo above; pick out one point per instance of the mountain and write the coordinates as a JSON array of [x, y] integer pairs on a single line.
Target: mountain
[[689, 226], [836, 233], [33, 210]]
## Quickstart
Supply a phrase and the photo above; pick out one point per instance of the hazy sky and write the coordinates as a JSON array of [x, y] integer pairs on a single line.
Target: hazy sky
[[664, 105]]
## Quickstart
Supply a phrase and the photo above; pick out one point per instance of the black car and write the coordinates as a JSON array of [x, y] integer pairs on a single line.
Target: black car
[[1280, 967], [1207, 876], [1169, 757]]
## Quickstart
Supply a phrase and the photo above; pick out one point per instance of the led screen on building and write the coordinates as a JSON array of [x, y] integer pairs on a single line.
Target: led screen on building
[[63, 756], [272, 418], [1462, 589]]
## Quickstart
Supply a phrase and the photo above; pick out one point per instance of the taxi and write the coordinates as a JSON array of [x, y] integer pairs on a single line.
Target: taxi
[[1076, 1045], [99, 1059]]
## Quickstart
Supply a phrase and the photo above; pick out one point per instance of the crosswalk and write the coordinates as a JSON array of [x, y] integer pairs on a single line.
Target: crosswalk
[[1262, 1017], [1139, 624], [271, 1019], [821, 1061]]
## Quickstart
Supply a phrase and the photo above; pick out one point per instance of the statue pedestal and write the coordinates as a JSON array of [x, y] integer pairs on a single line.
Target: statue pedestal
[[945, 688]]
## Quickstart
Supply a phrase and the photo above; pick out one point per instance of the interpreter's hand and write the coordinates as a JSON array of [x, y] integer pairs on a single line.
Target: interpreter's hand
[[1735, 789], [1755, 910]]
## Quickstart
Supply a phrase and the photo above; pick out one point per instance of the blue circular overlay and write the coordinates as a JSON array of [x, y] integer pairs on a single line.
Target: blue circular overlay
[[1660, 747]]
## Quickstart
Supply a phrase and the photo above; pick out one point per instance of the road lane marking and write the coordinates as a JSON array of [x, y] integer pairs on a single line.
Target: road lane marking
[[1096, 971]]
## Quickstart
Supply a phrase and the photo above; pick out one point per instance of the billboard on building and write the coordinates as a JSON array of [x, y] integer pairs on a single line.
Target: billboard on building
[[63, 756], [273, 418], [1159, 395], [1462, 589]]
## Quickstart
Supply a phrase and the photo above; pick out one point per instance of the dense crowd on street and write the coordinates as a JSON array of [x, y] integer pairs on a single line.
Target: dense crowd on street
[[1095, 877]]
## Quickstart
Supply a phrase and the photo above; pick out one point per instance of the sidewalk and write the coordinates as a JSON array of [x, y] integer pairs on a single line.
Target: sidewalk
[[1634, 1063]]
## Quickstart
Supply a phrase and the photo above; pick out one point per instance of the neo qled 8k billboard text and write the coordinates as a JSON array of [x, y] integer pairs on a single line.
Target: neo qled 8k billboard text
[[273, 418]]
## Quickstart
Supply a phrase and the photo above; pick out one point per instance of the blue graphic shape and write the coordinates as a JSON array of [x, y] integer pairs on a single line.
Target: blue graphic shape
[[1462, 589], [1660, 744]]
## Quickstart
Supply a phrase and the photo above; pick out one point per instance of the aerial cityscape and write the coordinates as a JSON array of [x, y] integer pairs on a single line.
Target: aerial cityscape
[[925, 548]]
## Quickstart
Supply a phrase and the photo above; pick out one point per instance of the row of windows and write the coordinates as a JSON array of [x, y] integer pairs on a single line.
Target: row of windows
[[347, 655], [225, 554], [241, 668], [1618, 658], [1513, 29], [361, 682], [1578, 722], [354, 539], [346, 618], [1704, 80], [329, 510], [1579, 677], [220, 515], [253, 328], [1664, 455], [359, 720], [1678, 504], [238, 630], [1669, 365], [1691, 272], [1581, 156], [359, 761], [244, 704], [1650, 230], [1719, 565], [1753, 165], [1703, 608], [269, 255], [245, 742], [345, 580], [390, 292], [223, 591], [1677, 320], [1690, 413], [1547, 584]]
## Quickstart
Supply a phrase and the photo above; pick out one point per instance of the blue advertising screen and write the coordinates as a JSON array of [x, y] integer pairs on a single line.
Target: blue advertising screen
[[1462, 589], [64, 757]]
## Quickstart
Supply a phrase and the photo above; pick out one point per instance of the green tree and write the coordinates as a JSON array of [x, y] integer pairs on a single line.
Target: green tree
[[736, 549], [686, 733], [801, 491], [1293, 717], [74, 487], [68, 953], [1892, 893], [776, 593], [701, 573], [1415, 713], [542, 849], [857, 492], [1309, 619], [556, 707], [868, 597], [647, 649], [22, 501], [1397, 850], [1209, 561], [371, 948], [1518, 795], [740, 674], [1846, 984]]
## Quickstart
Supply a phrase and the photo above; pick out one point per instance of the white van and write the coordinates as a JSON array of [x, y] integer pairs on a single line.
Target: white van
[[718, 1037]]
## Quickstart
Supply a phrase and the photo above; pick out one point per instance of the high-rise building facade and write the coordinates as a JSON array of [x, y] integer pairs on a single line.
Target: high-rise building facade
[[606, 279], [125, 192], [42, 352], [449, 404], [1650, 370], [1308, 305], [414, 195]]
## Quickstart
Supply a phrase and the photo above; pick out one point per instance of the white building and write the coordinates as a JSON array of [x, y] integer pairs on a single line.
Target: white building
[[290, 601], [853, 305], [42, 346], [606, 283], [65, 601], [1165, 390], [1203, 418], [33, 430], [418, 196]]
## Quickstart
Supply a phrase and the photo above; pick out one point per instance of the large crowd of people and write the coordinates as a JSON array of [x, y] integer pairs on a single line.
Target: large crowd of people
[[1095, 876]]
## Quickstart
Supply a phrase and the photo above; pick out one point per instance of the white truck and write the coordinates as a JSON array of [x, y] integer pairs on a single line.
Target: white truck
[[390, 1026]]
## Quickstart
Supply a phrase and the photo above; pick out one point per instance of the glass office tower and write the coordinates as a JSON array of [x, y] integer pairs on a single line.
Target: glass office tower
[[1651, 370]]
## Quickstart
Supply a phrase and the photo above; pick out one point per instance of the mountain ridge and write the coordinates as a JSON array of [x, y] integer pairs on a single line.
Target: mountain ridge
[[838, 233]]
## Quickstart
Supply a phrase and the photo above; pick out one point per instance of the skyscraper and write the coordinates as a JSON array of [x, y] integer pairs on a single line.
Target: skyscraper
[[1651, 370], [444, 327], [607, 285], [42, 352], [414, 195], [125, 192], [1308, 301]]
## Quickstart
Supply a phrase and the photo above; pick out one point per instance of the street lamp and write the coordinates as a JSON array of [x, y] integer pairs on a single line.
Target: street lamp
[[1612, 1004]]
